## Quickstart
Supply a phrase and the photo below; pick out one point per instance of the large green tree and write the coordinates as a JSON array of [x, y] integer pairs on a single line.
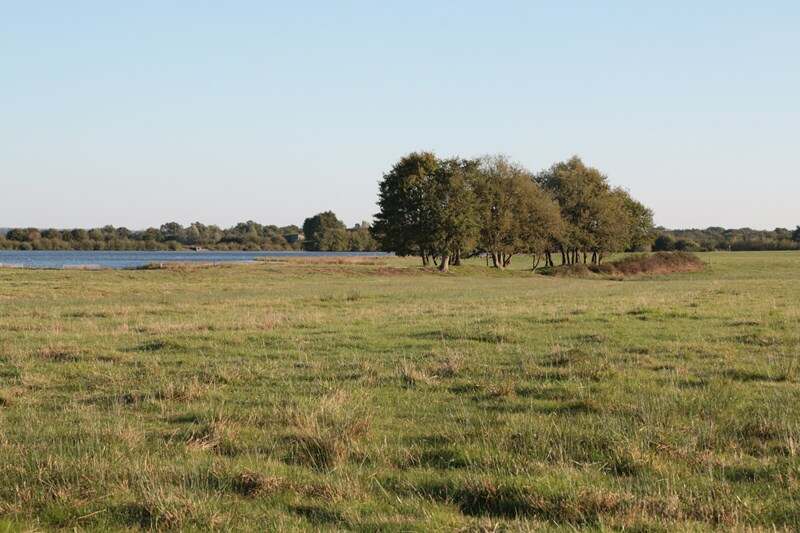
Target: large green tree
[[450, 205], [403, 223], [538, 223], [577, 189], [324, 232], [514, 214], [597, 218], [640, 219], [360, 238]]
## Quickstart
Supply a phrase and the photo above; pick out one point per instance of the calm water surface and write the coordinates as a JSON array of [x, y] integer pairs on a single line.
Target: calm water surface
[[74, 259]]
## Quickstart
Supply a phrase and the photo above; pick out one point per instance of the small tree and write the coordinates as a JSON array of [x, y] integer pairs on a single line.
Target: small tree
[[664, 243], [580, 192], [640, 220], [171, 231], [686, 245], [796, 235], [497, 193], [515, 215], [451, 208], [404, 223], [538, 222], [325, 232], [360, 238]]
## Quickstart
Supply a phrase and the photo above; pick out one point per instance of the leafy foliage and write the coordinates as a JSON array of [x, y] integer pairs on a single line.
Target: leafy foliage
[[325, 232], [403, 224], [173, 236], [516, 216], [454, 207], [734, 240]]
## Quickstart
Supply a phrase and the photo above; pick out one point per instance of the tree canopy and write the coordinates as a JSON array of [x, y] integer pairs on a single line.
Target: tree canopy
[[453, 207], [324, 231], [514, 214]]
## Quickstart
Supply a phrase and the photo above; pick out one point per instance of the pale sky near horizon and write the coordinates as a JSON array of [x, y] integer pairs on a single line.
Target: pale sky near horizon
[[139, 113]]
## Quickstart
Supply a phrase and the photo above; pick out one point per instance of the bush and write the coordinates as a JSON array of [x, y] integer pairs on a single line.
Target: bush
[[664, 243], [657, 263], [686, 245]]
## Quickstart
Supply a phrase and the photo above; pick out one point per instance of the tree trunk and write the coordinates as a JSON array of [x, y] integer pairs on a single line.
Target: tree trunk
[[457, 258], [435, 261], [507, 260], [425, 261], [444, 266], [497, 262], [535, 260], [563, 256]]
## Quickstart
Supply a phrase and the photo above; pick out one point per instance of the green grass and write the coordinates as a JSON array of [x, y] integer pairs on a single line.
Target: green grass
[[376, 396]]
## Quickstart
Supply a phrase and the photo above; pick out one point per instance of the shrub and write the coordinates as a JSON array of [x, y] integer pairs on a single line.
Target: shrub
[[664, 243], [632, 265]]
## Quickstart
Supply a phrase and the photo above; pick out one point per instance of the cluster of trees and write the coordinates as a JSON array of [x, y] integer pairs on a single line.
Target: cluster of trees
[[445, 209], [734, 240], [173, 236], [326, 233]]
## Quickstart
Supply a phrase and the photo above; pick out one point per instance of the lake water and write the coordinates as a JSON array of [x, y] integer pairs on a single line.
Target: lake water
[[76, 259]]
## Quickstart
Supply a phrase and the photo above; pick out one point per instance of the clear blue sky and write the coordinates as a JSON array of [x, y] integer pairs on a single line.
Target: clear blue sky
[[136, 113]]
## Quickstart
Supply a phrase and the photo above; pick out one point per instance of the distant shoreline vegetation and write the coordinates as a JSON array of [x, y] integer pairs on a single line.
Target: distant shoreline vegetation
[[442, 210], [721, 239], [322, 232]]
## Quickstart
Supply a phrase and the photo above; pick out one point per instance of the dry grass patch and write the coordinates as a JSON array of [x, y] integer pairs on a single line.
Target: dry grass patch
[[58, 353], [411, 376], [370, 260], [634, 265], [184, 267], [448, 367], [481, 497], [185, 391], [328, 434], [251, 484], [219, 434], [502, 389], [159, 509]]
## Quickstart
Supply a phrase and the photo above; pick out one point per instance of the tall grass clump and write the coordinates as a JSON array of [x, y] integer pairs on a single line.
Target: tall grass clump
[[328, 434]]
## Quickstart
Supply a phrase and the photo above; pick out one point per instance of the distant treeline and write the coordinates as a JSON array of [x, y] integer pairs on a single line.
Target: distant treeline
[[322, 232], [735, 240], [443, 210]]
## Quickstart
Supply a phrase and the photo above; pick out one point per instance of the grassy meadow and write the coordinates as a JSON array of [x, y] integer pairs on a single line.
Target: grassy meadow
[[375, 395]]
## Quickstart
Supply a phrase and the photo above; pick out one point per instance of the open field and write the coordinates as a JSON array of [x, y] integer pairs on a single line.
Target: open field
[[375, 395]]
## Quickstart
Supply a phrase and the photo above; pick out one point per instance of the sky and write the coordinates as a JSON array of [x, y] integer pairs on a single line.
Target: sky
[[139, 113]]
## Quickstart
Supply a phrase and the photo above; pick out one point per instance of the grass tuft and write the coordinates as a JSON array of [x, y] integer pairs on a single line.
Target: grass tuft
[[329, 434], [58, 353], [411, 376], [219, 435]]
